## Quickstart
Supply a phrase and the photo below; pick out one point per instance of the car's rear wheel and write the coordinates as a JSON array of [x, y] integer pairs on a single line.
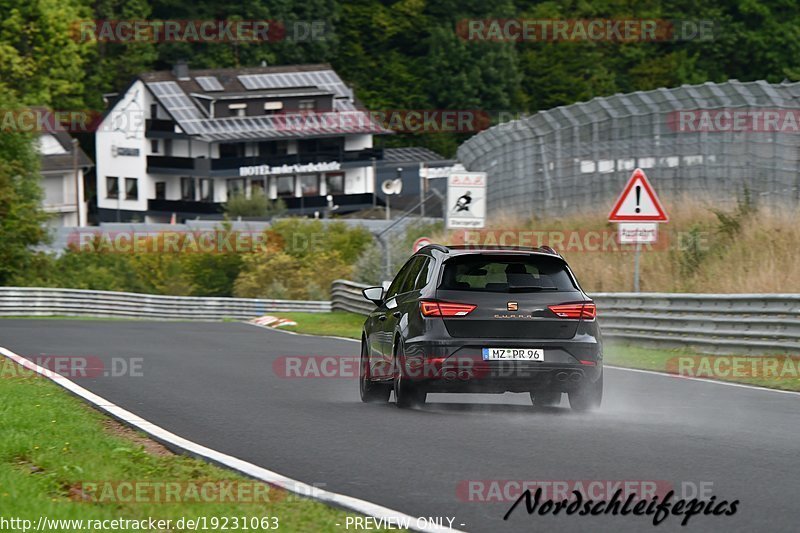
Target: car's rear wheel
[[545, 398], [588, 397], [406, 393], [371, 392]]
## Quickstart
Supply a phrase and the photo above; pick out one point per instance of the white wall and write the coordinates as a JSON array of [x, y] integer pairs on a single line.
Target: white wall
[[357, 142], [358, 180], [59, 198], [124, 127]]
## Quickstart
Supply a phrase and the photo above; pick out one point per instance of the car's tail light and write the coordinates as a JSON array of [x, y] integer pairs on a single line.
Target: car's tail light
[[444, 309], [579, 310]]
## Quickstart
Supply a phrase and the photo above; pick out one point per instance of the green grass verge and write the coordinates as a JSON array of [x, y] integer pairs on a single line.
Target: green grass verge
[[337, 323], [53, 445], [89, 318], [785, 376], [343, 324]]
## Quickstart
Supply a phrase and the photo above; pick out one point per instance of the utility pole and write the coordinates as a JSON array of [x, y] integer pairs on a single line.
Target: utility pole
[[77, 182], [423, 174], [374, 184]]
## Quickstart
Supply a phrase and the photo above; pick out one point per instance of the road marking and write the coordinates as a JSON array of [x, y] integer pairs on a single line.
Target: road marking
[[702, 380], [614, 367], [249, 469]]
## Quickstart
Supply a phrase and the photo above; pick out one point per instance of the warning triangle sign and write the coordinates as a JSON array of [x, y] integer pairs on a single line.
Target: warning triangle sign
[[638, 202]]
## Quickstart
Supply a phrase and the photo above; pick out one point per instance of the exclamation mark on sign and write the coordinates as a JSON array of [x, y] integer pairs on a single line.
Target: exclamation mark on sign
[[638, 198]]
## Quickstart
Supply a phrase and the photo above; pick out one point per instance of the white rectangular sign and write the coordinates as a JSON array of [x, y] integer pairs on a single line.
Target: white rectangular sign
[[466, 200], [641, 232]]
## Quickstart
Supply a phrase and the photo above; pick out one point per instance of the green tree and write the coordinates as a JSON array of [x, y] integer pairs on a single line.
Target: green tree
[[112, 65], [21, 216], [41, 56]]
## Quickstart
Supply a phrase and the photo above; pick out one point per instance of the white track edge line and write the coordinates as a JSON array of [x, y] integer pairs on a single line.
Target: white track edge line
[[614, 367], [703, 380], [233, 463]]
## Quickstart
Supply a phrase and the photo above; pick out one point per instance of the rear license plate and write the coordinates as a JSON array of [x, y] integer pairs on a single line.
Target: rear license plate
[[513, 354]]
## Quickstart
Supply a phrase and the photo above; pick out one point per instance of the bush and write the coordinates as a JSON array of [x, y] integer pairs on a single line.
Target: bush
[[257, 206]]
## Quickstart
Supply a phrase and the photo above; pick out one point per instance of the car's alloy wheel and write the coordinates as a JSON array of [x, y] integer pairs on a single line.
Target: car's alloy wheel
[[546, 398], [371, 392], [587, 397], [406, 394]]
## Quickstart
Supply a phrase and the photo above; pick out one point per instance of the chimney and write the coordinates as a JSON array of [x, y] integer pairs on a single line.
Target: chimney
[[181, 69]]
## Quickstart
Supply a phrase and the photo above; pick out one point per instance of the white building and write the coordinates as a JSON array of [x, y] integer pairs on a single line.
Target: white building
[[59, 181], [181, 141]]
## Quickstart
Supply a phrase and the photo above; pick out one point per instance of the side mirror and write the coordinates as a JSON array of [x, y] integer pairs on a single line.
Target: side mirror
[[374, 295]]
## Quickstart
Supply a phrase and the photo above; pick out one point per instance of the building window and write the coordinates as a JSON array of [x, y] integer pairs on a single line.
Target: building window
[[167, 146], [285, 186], [306, 106], [112, 187], [307, 146], [231, 150], [267, 148], [334, 183], [154, 146], [257, 185], [333, 146], [153, 110], [238, 110], [161, 190], [671, 161], [131, 189], [309, 185], [271, 108], [187, 189], [206, 190], [647, 162], [236, 187]]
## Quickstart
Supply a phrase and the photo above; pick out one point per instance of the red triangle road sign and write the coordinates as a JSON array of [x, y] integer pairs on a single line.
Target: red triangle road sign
[[638, 202]]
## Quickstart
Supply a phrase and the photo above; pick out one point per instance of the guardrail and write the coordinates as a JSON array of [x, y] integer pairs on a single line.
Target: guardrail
[[708, 323], [29, 301]]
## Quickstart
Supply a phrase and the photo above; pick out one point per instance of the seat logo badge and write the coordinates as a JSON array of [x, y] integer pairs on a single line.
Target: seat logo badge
[[512, 306]]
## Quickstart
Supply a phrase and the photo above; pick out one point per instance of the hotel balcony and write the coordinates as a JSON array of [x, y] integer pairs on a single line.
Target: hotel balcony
[[229, 166]]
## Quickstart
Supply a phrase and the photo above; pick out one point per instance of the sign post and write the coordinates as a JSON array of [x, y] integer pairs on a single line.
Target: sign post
[[638, 212], [466, 200]]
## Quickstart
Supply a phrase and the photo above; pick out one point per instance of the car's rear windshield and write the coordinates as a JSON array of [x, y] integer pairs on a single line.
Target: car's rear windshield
[[506, 273]]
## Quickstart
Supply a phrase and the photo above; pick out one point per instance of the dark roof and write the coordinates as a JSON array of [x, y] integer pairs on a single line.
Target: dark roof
[[56, 162], [179, 95], [411, 154]]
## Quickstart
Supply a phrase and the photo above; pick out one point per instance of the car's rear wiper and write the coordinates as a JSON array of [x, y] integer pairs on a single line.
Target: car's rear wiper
[[531, 288]]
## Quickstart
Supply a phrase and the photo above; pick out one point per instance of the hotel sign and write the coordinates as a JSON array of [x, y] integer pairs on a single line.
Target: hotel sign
[[266, 170], [123, 151]]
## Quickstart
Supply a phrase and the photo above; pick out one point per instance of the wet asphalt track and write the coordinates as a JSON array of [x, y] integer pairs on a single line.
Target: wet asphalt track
[[214, 383]]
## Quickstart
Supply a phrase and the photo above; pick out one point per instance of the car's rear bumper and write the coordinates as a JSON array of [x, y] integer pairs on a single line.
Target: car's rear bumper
[[459, 366]]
